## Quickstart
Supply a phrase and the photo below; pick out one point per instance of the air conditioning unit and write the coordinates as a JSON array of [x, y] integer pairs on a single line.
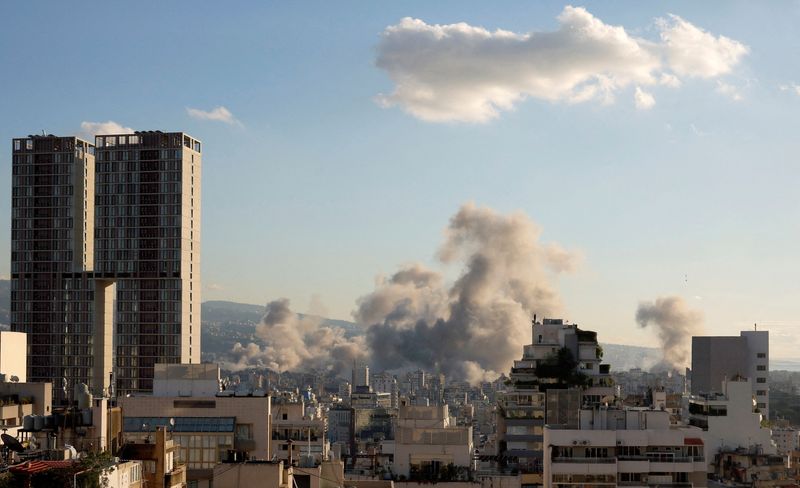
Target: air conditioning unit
[[585, 443], [574, 443], [619, 443]]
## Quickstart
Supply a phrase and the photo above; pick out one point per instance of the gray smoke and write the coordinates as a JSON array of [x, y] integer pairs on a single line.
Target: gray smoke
[[475, 327], [675, 324], [294, 343]]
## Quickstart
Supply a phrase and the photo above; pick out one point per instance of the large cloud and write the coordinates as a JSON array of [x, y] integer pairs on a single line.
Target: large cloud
[[459, 72]]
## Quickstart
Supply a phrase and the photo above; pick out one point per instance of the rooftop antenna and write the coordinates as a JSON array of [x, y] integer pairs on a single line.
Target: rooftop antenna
[[755, 327]]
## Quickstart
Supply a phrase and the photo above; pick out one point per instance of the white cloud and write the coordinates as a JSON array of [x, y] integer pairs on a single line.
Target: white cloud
[[91, 129], [219, 114], [691, 51], [459, 72], [643, 99], [793, 87], [214, 287], [729, 91]]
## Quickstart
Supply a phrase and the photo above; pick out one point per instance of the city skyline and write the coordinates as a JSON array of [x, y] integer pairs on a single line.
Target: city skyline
[[335, 174]]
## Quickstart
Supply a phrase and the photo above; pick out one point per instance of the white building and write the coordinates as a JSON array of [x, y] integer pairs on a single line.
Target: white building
[[633, 447], [731, 419], [716, 358], [386, 383], [426, 440]]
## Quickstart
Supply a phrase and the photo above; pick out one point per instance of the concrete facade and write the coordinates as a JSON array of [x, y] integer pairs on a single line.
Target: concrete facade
[[719, 358], [624, 447], [731, 419], [426, 441]]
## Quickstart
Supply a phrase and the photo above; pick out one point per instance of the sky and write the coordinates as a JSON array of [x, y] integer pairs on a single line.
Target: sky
[[654, 140]]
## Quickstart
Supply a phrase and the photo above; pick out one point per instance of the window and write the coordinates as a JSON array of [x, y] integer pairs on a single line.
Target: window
[[761, 405], [761, 367], [761, 380], [17, 145], [761, 392], [761, 355], [244, 431]]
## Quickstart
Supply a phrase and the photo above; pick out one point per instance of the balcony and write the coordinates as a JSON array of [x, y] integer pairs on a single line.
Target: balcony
[[581, 460], [176, 477], [584, 466]]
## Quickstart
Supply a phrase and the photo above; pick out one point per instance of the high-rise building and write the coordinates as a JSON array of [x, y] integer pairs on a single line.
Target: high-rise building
[[717, 358], [88, 228], [360, 374], [148, 240], [54, 297]]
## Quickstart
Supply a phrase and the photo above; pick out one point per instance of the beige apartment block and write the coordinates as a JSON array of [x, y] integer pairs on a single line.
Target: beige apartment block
[[427, 441], [205, 428]]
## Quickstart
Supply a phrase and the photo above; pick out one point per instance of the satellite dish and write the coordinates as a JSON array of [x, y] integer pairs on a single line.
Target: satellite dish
[[12, 443], [15, 379]]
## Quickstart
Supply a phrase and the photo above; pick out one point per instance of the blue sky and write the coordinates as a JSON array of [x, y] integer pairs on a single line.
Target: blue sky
[[317, 188]]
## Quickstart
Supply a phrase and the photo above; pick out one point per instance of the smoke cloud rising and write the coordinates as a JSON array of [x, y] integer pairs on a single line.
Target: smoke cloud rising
[[295, 343], [675, 324], [474, 327], [471, 328]]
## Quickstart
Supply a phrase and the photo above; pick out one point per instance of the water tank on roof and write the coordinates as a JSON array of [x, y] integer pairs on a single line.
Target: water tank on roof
[[38, 422], [27, 422]]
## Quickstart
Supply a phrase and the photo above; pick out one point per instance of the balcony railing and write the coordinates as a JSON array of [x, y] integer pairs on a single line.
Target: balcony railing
[[581, 460]]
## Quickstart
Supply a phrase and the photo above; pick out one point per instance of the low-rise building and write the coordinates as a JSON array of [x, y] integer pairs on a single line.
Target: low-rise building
[[630, 447], [160, 466], [297, 432], [204, 428], [428, 444], [731, 419]]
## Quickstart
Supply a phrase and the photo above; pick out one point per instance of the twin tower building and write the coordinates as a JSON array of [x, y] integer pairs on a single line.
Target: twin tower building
[[105, 257]]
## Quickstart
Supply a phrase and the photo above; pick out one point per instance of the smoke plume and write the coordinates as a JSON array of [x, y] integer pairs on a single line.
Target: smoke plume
[[675, 324], [294, 343], [470, 329], [473, 328]]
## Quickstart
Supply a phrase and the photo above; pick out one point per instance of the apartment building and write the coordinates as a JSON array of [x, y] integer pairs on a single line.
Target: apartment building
[[427, 442], [205, 428], [298, 433], [730, 419], [94, 223], [55, 299], [558, 372], [147, 219], [624, 447], [716, 358]]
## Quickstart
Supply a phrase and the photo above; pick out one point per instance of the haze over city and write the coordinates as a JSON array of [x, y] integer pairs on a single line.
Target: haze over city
[[625, 158]]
